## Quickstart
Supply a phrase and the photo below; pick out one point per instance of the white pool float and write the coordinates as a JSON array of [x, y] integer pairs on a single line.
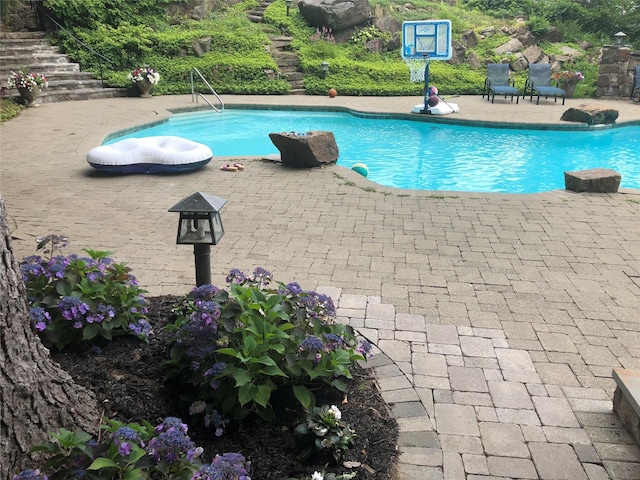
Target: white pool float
[[150, 155], [442, 108]]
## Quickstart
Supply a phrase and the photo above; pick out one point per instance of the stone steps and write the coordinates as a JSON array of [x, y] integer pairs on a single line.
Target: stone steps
[[288, 63], [256, 14], [281, 52], [32, 52], [626, 399]]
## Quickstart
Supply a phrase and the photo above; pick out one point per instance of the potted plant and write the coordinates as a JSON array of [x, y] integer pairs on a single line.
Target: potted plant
[[568, 80], [28, 84], [144, 78]]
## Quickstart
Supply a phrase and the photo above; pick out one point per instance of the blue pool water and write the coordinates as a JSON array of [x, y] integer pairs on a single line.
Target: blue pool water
[[423, 155]]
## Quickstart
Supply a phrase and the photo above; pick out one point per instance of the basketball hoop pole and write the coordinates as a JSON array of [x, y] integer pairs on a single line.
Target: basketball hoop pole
[[426, 83]]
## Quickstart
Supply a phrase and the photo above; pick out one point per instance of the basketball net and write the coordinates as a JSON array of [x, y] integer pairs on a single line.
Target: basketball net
[[416, 68]]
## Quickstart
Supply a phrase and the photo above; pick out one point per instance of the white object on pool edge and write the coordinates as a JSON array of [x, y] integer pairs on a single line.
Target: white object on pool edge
[[441, 108], [149, 154]]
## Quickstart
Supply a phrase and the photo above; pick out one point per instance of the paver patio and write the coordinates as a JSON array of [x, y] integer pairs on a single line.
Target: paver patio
[[498, 317]]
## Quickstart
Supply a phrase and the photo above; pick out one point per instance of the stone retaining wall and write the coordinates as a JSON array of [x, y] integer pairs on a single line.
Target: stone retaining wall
[[616, 71]]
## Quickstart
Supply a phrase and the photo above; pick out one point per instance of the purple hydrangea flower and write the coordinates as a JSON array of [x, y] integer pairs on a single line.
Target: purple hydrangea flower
[[172, 442], [204, 292], [230, 466], [57, 266], [124, 438], [208, 472], [95, 276], [142, 328], [72, 308], [30, 474], [261, 277], [207, 312], [233, 466], [294, 288], [40, 317], [236, 276], [197, 339], [311, 344], [215, 420], [364, 348], [31, 267], [172, 422], [102, 312], [216, 369], [333, 341]]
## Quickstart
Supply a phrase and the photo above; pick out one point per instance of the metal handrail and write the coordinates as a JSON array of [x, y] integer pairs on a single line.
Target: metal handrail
[[194, 95], [40, 11]]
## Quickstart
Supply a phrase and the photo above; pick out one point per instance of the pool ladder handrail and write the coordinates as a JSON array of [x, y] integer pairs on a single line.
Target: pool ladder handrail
[[194, 95]]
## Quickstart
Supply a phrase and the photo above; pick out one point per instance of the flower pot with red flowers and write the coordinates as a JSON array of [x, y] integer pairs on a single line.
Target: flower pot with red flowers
[[568, 81], [144, 79], [28, 85]]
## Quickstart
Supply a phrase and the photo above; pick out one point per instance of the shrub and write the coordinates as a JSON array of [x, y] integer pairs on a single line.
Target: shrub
[[75, 300], [324, 431], [233, 350], [133, 451], [9, 109], [538, 25]]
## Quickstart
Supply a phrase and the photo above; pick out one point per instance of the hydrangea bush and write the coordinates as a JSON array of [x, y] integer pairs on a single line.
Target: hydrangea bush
[[133, 451], [73, 300], [234, 349]]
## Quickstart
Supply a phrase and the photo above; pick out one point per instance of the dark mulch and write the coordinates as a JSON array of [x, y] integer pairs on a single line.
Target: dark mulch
[[127, 378]]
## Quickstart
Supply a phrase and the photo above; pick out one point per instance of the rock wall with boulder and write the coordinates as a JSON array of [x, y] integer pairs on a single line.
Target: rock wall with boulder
[[336, 15]]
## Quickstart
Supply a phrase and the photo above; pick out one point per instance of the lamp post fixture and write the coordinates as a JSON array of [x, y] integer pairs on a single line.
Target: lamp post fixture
[[325, 69], [200, 225], [620, 36], [288, 2]]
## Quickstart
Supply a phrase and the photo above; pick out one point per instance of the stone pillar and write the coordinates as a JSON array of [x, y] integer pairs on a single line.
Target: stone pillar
[[616, 71]]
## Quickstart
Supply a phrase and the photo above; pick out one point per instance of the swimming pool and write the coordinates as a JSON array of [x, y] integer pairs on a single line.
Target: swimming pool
[[423, 155]]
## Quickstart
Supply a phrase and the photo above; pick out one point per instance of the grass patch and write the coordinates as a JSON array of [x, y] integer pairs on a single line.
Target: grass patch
[[9, 109]]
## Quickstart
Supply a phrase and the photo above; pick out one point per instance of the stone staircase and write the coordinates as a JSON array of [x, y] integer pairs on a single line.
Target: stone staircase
[[285, 58], [287, 62], [32, 52], [256, 14]]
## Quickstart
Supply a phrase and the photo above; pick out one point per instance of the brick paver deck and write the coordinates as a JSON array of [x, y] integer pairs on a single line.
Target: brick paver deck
[[497, 318]]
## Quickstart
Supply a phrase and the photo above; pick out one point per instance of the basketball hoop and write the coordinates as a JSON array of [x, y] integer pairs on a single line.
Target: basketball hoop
[[416, 68]]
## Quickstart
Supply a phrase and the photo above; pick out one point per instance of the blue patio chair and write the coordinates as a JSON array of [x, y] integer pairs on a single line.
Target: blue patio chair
[[498, 82], [635, 89], [539, 84]]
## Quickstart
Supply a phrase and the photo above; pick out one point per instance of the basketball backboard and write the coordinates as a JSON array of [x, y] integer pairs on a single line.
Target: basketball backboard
[[429, 39]]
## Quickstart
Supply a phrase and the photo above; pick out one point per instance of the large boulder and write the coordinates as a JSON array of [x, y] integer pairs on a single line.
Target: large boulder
[[590, 114], [533, 54], [512, 46], [469, 38], [201, 46], [305, 150], [334, 14], [595, 180]]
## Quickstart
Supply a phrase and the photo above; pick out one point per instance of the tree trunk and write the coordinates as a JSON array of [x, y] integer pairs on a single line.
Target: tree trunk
[[36, 396]]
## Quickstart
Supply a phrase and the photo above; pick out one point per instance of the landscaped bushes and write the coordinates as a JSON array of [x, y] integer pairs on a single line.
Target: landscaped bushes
[[237, 63], [234, 352], [141, 32], [235, 349]]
